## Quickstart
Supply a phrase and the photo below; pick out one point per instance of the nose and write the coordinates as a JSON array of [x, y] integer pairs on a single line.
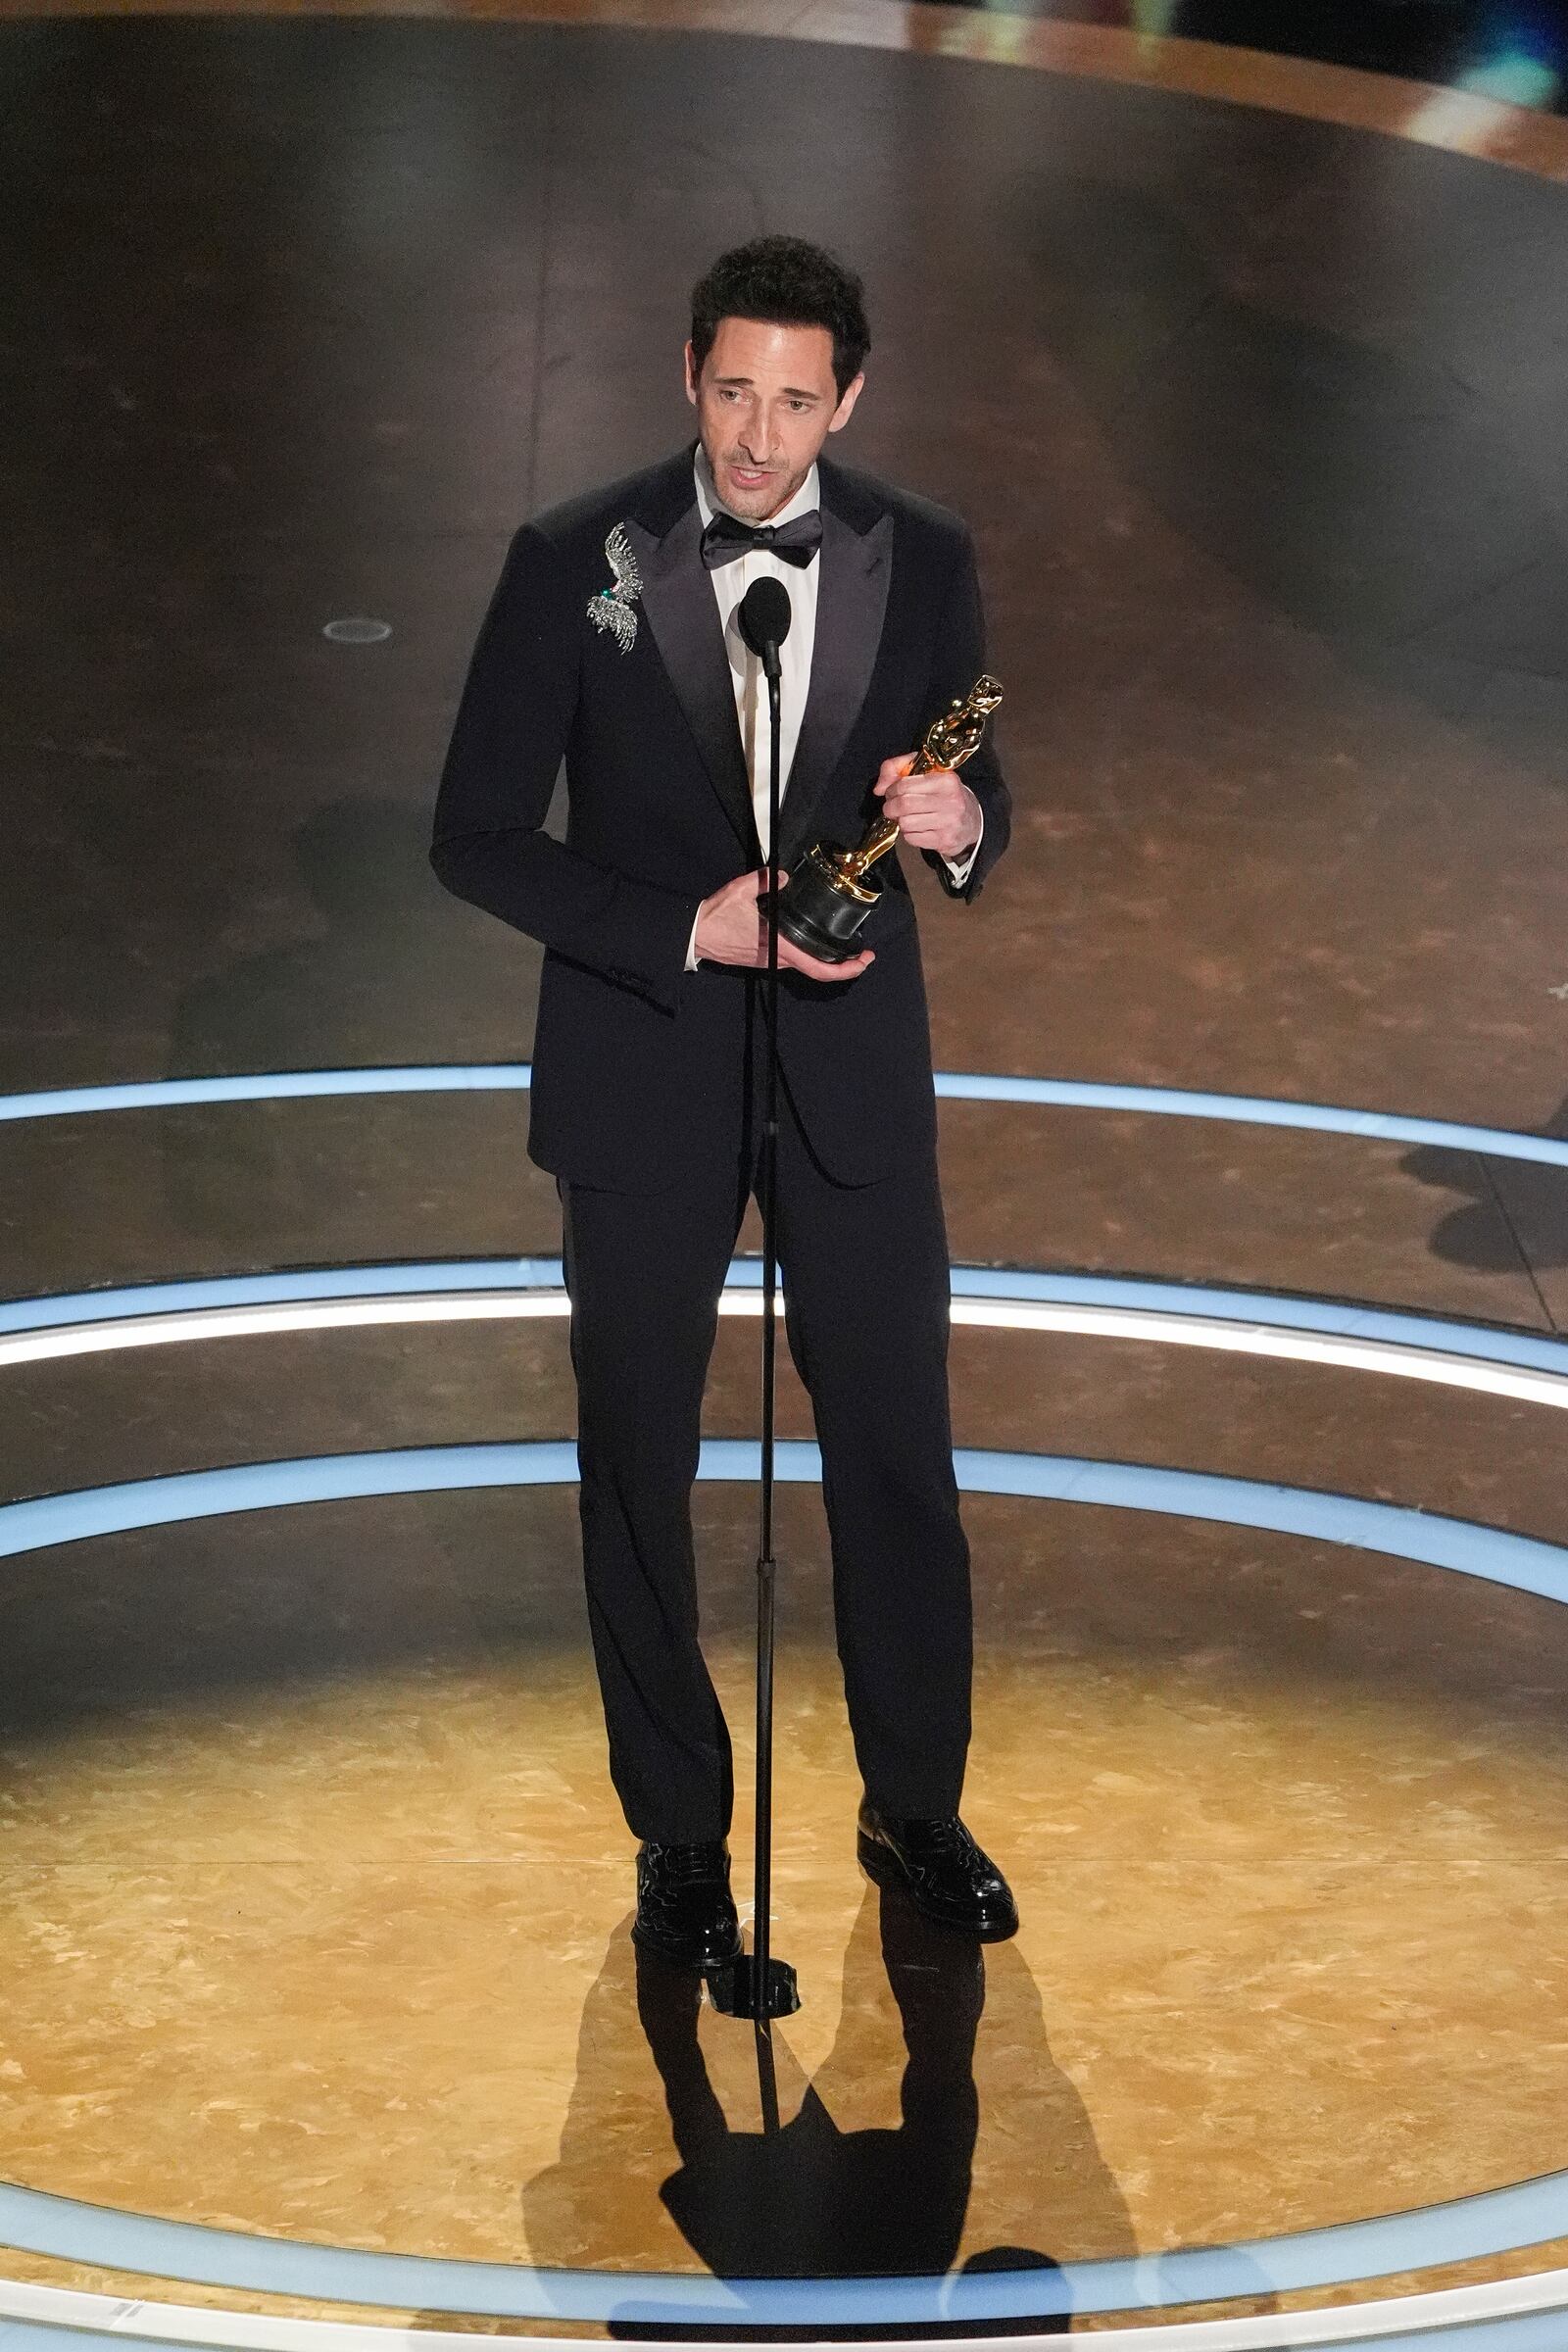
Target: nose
[[758, 441]]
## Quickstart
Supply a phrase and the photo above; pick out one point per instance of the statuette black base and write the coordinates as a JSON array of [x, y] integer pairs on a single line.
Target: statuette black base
[[819, 918]]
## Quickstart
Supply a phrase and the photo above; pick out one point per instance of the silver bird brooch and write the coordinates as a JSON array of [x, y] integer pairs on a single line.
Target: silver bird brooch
[[614, 608]]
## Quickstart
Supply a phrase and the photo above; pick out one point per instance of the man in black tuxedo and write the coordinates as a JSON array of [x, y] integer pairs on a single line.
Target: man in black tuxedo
[[610, 643]]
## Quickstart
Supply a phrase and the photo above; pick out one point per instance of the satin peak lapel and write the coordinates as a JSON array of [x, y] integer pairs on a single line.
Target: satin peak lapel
[[852, 600], [678, 603]]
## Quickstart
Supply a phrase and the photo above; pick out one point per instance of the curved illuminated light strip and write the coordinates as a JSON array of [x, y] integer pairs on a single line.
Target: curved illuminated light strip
[[1499, 1363], [1472, 2319], [269, 1086], [963, 1086], [1497, 2222]]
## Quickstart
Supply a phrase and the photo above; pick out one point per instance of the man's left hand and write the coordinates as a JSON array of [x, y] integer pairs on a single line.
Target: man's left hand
[[934, 812]]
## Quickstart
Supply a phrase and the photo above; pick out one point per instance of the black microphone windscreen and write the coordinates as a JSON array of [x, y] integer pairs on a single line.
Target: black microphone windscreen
[[765, 615]]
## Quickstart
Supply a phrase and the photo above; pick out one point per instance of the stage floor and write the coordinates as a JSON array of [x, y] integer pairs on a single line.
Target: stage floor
[[318, 1907], [319, 1899]]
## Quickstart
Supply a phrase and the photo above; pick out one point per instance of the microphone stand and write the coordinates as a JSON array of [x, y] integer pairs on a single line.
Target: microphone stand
[[757, 1985]]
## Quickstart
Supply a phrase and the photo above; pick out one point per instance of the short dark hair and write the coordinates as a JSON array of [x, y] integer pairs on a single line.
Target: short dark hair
[[785, 282]]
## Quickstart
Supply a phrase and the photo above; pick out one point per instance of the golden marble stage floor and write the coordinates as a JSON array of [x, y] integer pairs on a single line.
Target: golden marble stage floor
[[319, 1902]]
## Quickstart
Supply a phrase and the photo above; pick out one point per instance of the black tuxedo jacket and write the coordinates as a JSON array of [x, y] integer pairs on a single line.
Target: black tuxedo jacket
[[640, 1065]]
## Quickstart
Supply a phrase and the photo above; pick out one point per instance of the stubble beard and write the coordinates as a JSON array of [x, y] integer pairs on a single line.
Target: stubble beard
[[755, 504]]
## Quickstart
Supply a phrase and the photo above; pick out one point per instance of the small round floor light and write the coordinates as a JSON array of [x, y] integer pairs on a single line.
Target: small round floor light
[[356, 630]]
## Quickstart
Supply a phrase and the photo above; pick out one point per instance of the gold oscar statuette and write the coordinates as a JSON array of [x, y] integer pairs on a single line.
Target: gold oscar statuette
[[831, 891]]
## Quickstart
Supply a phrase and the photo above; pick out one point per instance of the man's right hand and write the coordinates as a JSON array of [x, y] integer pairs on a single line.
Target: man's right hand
[[731, 928]]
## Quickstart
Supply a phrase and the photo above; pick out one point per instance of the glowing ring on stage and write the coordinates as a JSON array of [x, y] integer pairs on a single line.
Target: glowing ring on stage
[[1464, 1355], [961, 1086], [1494, 2222], [1495, 2318]]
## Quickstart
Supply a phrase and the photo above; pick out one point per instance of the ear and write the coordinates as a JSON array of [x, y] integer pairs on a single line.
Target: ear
[[846, 408], [691, 377]]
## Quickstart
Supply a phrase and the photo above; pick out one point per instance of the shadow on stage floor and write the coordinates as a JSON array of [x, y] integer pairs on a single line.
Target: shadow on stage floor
[[825, 2195], [1508, 1213]]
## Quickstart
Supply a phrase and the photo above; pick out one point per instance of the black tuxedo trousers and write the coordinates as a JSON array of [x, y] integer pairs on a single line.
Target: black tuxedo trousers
[[865, 1271]]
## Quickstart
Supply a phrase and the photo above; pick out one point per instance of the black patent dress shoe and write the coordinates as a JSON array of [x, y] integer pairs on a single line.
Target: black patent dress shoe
[[938, 1865], [685, 1912]]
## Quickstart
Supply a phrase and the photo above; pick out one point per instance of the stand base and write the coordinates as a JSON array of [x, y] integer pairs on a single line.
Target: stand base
[[733, 1988]]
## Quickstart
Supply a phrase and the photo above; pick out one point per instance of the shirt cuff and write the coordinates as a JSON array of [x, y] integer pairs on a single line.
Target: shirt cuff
[[692, 956], [961, 867]]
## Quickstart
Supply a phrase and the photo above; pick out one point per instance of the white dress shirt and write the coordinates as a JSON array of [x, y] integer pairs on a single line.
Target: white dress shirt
[[730, 581]]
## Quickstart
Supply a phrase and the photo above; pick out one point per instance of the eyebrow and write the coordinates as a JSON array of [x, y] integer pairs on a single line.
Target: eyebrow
[[790, 391]]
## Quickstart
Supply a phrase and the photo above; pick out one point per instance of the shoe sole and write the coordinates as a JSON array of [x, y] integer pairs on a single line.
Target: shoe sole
[[883, 1869]]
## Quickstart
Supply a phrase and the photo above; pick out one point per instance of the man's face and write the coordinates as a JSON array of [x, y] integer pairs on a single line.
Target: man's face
[[765, 403]]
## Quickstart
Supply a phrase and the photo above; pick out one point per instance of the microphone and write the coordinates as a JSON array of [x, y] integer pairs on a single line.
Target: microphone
[[764, 619]]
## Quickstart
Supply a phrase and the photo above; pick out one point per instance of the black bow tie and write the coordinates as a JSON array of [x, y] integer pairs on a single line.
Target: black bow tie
[[727, 537]]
